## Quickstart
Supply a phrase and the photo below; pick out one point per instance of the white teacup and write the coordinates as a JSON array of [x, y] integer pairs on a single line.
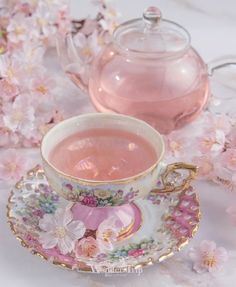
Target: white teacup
[[121, 191]]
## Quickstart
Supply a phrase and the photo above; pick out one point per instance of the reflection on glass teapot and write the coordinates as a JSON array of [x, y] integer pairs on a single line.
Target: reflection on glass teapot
[[149, 70]]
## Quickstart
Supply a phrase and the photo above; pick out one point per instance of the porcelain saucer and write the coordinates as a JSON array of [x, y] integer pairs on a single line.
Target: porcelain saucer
[[168, 222]]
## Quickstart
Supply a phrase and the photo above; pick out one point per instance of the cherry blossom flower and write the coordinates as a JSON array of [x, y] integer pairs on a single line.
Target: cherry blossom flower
[[220, 122], [8, 90], [60, 230], [207, 257], [24, 8], [27, 99], [10, 69], [43, 86], [12, 165], [107, 233], [212, 142], [87, 46], [45, 18], [87, 247], [19, 116], [21, 28], [31, 54], [8, 138]]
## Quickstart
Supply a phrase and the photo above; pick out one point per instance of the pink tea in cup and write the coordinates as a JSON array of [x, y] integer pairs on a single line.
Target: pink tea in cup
[[103, 154]]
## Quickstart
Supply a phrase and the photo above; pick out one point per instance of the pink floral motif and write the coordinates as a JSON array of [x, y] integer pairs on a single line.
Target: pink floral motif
[[26, 29], [43, 86], [130, 195], [136, 252], [19, 116], [212, 141], [60, 230], [8, 90], [12, 165], [18, 28], [10, 69], [207, 257], [23, 8], [86, 247], [89, 201], [45, 21], [107, 233]]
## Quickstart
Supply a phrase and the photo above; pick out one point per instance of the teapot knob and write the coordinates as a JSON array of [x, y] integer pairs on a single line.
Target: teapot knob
[[152, 16]]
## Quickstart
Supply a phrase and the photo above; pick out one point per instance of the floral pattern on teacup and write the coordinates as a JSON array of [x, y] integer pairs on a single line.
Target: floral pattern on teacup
[[97, 197]]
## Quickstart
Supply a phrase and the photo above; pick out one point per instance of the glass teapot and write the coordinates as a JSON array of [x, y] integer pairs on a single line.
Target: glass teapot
[[149, 70]]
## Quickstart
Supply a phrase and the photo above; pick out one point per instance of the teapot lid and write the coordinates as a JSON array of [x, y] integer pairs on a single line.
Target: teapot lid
[[152, 35]]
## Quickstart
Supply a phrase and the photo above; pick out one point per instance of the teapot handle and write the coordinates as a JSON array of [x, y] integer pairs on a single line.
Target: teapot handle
[[221, 63]]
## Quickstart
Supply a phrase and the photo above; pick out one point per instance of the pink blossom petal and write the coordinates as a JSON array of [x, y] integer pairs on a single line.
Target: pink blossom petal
[[207, 246], [208, 257], [76, 229], [63, 217], [12, 165], [48, 240], [65, 245], [87, 247], [47, 223]]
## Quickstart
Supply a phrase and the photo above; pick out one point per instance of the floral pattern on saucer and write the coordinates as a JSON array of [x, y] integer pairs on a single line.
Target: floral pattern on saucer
[[33, 207]]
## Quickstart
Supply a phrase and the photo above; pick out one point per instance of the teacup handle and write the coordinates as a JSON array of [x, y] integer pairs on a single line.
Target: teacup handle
[[171, 176]]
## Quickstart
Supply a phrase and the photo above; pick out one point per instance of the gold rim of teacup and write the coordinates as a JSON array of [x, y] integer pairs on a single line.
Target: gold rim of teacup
[[100, 182]]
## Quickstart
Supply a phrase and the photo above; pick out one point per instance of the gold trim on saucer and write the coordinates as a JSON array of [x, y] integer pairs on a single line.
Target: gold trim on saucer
[[81, 266]]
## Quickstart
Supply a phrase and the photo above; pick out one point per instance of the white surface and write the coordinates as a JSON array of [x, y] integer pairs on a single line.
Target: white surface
[[212, 25]]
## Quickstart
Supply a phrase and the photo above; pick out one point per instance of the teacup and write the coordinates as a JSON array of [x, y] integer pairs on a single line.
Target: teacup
[[120, 191]]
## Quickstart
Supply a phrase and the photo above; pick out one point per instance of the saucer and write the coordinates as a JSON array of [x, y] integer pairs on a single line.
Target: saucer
[[168, 221]]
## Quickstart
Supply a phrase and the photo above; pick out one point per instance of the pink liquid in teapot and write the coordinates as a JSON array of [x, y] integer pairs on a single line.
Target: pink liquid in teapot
[[166, 93], [103, 154]]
